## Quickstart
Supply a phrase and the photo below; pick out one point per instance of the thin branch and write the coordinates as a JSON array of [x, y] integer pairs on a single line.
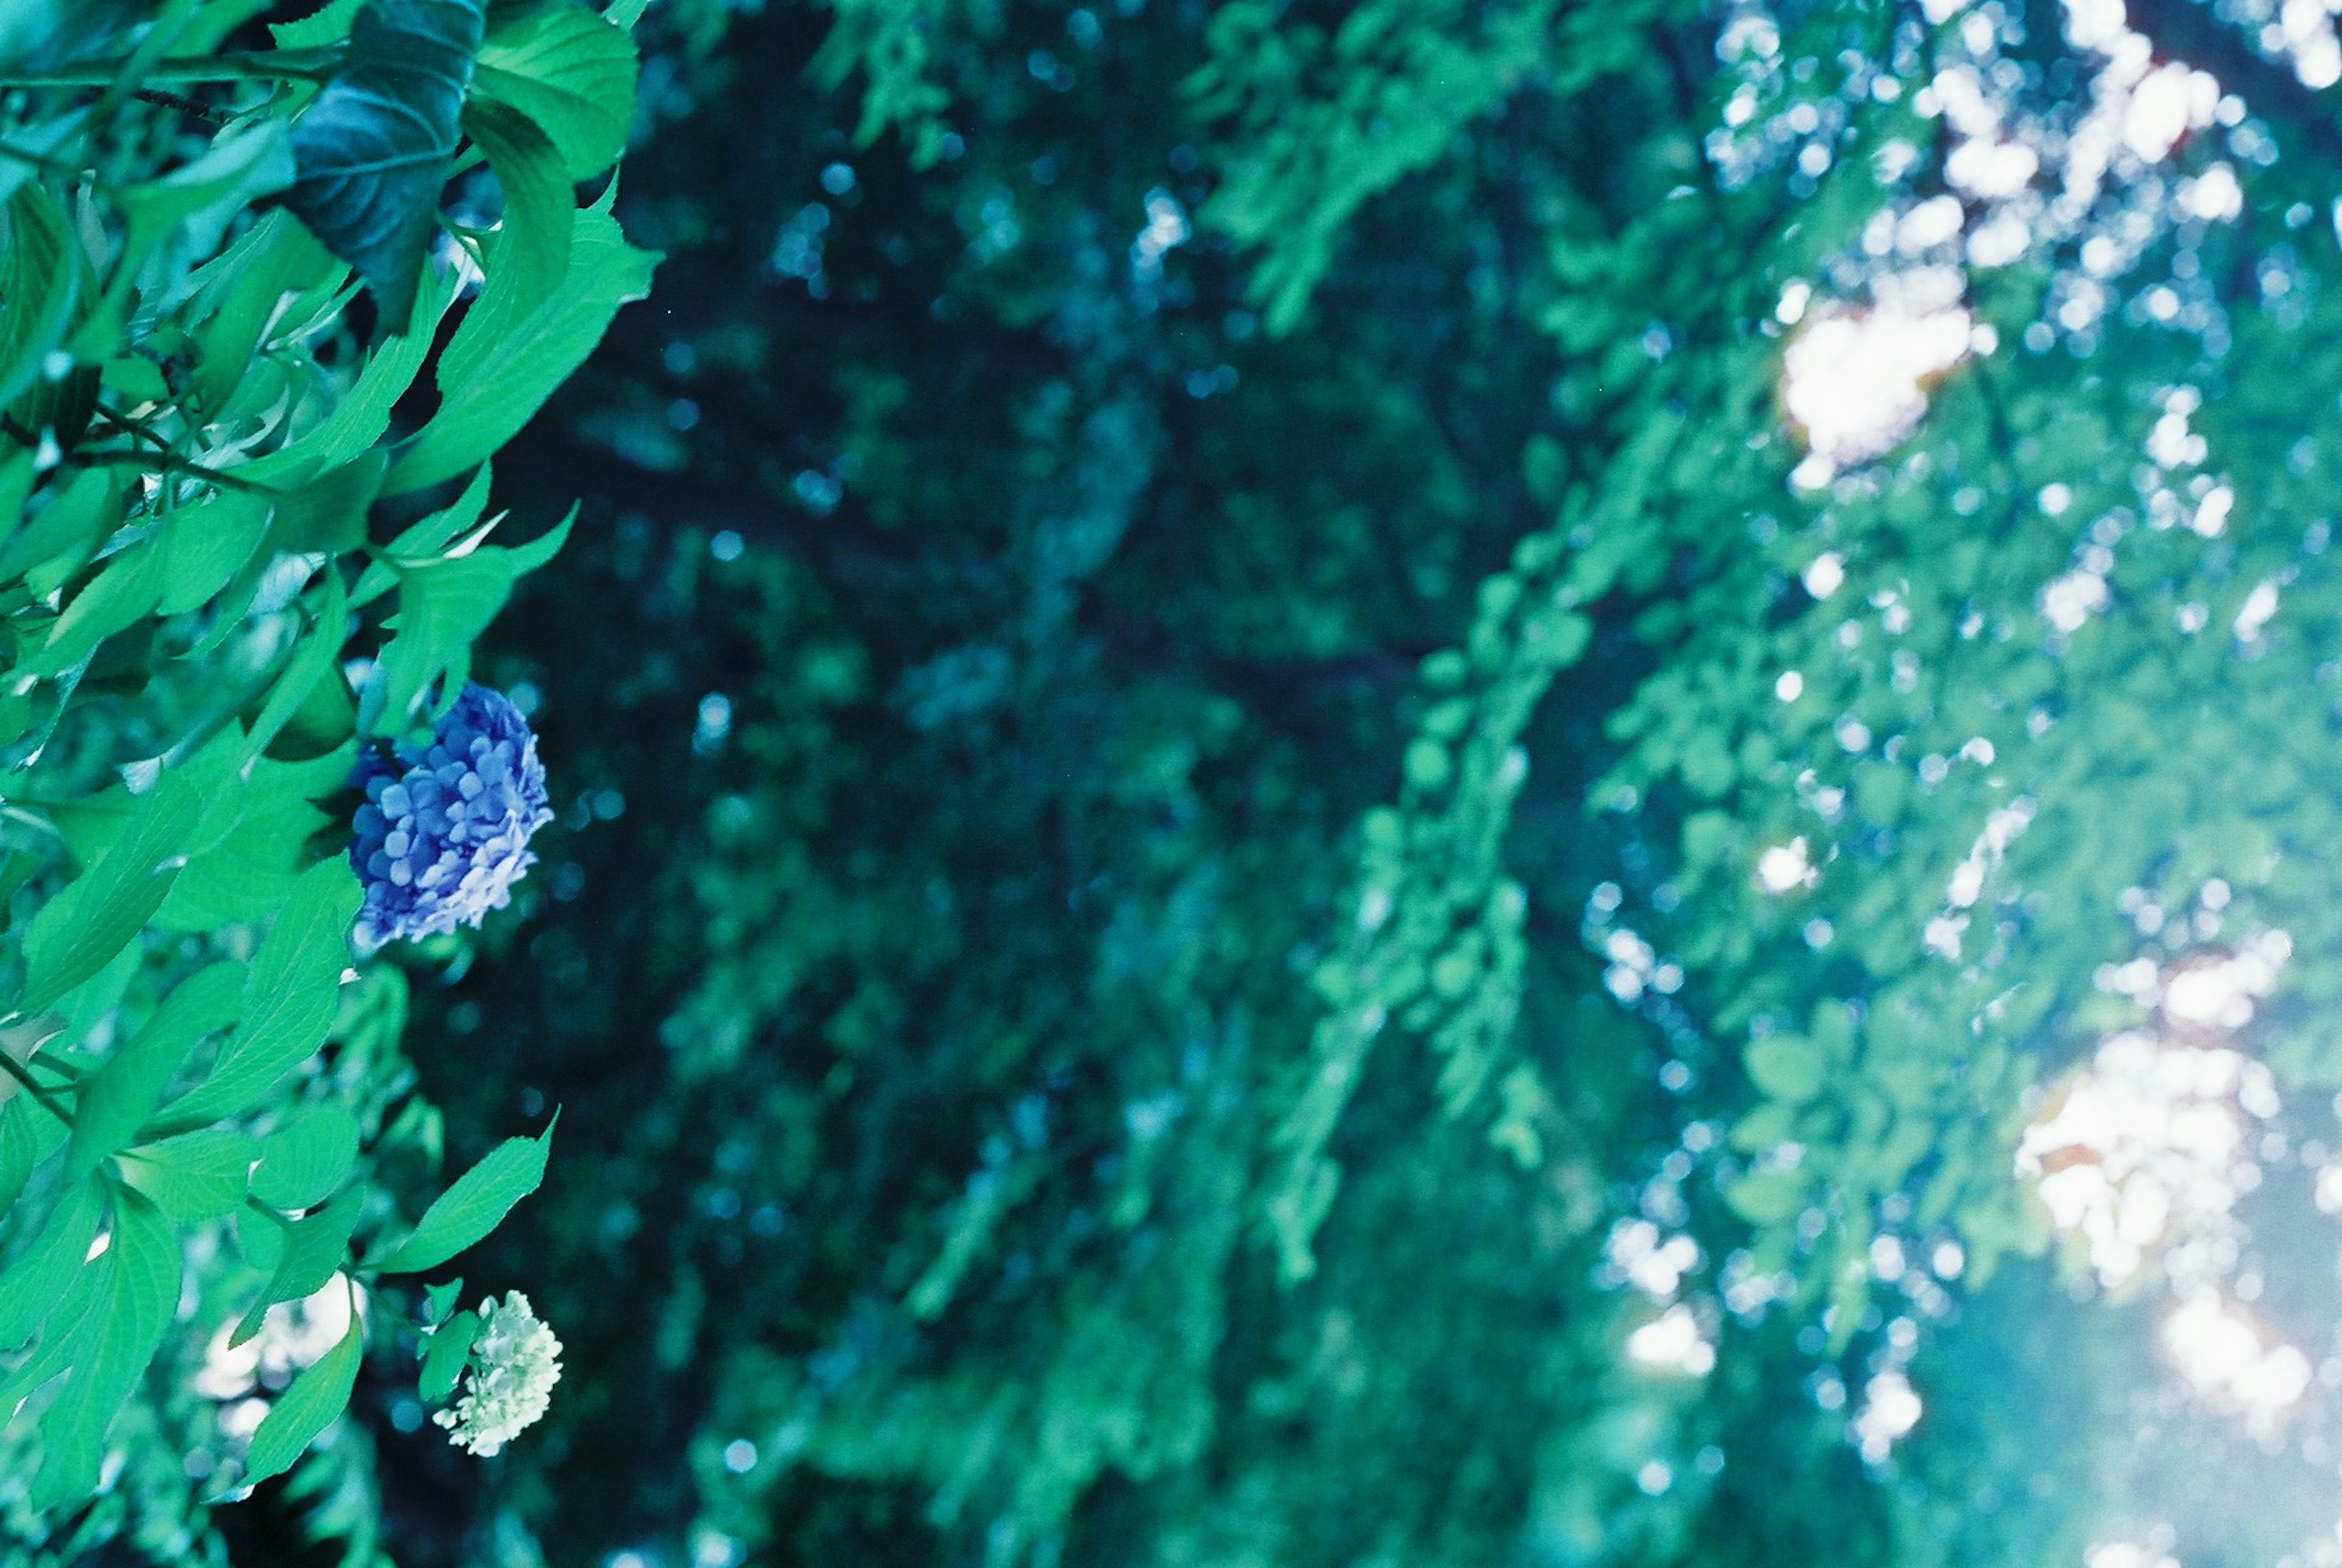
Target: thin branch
[[34, 1087]]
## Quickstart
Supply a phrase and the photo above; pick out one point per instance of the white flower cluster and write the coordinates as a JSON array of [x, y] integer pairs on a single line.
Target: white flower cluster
[[514, 1365]]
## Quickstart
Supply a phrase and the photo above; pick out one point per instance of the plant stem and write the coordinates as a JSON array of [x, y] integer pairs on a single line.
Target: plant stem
[[251, 65], [32, 1085]]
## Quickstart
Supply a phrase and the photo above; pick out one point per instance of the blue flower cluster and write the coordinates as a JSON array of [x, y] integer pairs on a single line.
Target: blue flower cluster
[[444, 833]]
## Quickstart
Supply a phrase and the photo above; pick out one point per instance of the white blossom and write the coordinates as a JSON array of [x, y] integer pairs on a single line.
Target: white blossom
[[509, 1378]]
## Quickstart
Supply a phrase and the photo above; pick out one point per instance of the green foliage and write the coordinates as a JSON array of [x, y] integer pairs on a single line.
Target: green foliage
[[196, 561]]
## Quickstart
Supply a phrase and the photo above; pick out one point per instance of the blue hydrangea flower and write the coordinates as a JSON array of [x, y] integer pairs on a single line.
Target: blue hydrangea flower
[[444, 833]]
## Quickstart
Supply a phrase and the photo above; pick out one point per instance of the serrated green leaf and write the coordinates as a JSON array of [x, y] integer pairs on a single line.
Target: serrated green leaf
[[64, 535], [320, 1393], [319, 651], [315, 1247], [374, 149], [529, 254], [571, 72], [238, 295], [127, 590], [443, 605], [204, 546], [444, 1354], [136, 1308], [329, 23], [116, 1100], [474, 1207], [327, 514], [305, 1159], [532, 356], [427, 538], [80, 930], [197, 1176], [289, 1000], [45, 1271]]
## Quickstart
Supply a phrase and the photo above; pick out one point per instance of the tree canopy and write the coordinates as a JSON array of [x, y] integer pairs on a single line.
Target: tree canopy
[[1390, 783]]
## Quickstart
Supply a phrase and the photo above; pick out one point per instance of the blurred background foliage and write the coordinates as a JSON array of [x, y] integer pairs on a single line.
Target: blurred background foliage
[[1237, 802]]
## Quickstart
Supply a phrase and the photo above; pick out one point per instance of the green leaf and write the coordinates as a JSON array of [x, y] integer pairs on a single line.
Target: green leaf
[[246, 161], [305, 1160], [1786, 1067], [316, 1246], [444, 1354], [327, 515], [80, 930], [321, 1393], [118, 1098], [198, 1175], [319, 652], [373, 150], [531, 357], [427, 538], [204, 545], [329, 24], [40, 275], [443, 605], [20, 1146], [45, 1271], [131, 1319], [238, 293], [474, 1207], [127, 590], [573, 72], [359, 419], [438, 1298], [530, 253], [289, 998]]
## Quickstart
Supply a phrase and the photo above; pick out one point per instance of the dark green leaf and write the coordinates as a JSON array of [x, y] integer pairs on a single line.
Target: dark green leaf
[[40, 272], [373, 151], [474, 1207], [204, 545]]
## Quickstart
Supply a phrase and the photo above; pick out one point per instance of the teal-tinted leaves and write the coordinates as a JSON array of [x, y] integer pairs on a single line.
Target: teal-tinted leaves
[[20, 1148], [444, 1354], [474, 1207], [443, 605], [305, 1159], [198, 1175], [288, 999], [204, 546], [573, 72], [512, 367], [531, 248], [115, 1101], [321, 1393], [315, 1248], [1788, 1067], [39, 280], [78, 932], [128, 1322], [373, 151], [45, 1271]]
